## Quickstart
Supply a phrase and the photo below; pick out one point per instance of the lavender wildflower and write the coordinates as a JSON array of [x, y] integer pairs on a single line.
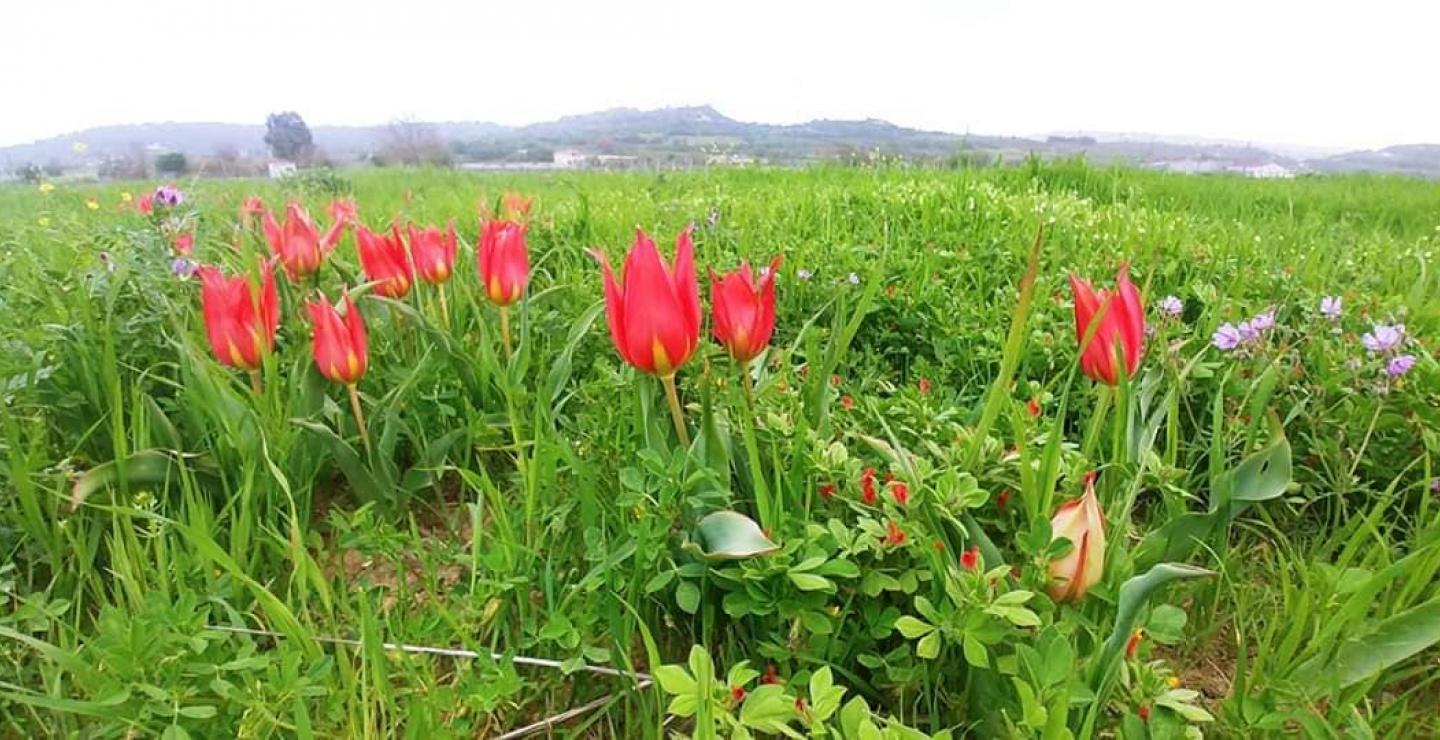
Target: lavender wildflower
[[1227, 337], [1171, 306], [1330, 307], [1400, 365], [169, 195], [1264, 321], [1248, 332], [1384, 337], [183, 268], [1435, 485]]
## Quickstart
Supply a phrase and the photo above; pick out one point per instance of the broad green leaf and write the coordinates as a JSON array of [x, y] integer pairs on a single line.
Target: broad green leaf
[[810, 582], [1360, 658], [1263, 475], [687, 597], [143, 468], [929, 646], [768, 709], [730, 535], [674, 679], [912, 628]]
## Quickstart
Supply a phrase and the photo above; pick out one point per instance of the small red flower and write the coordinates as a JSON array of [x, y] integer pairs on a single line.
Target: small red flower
[[827, 490], [772, 675], [800, 704], [894, 535], [847, 402], [1144, 712], [836, 380], [1033, 406], [891, 290], [867, 486], [185, 243], [900, 492], [939, 546], [1003, 499], [924, 386], [1132, 646], [145, 204], [737, 694], [970, 559]]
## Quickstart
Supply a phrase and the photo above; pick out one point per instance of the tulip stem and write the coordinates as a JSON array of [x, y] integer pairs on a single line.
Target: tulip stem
[[747, 385], [255, 382], [444, 308], [676, 414], [505, 330], [359, 417]]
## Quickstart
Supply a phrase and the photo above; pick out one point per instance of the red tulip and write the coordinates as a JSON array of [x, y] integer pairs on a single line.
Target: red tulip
[[239, 322], [744, 312], [146, 204], [298, 242], [654, 312], [385, 261], [1121, 326], [513, 207], [342, 210], [503, 260], [433, 251], [341, 351], [252, 206]]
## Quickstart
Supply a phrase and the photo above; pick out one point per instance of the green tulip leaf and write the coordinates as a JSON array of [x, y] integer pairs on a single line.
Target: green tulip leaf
[[730, 535], [1263, 475], [1360, 658], [143, 468]]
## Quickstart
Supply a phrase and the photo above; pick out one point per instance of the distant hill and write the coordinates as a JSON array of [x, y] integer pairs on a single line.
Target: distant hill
[[695, 133]]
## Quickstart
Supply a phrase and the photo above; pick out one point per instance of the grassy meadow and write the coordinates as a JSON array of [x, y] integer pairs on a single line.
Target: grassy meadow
[[187, 551]]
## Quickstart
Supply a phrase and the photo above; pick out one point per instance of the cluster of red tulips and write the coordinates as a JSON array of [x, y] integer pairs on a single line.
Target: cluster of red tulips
[[654, 311], [241, 317]]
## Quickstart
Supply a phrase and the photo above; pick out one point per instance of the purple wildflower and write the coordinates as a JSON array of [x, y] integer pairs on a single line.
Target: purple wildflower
[[1400, 365], [1435, 484], [1330, 307], [1248, 332], [169, 195], [183, 268], [1384, 337], [1227, 337], [1263, 322], [1171, 306]]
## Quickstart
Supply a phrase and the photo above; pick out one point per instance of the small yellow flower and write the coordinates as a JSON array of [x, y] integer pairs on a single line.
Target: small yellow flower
[[47, 186], [1173, 682], [126, 197], [79, 147], [43, 221], [92, 204]]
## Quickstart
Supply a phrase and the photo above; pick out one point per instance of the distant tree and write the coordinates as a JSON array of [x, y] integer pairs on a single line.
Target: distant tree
[[54, 168], [288, 137], [412, 143], [171, 163], [28, 172]]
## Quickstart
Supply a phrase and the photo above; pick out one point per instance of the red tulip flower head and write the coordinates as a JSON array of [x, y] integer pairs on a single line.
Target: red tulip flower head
[[146, 204], [433, 252], [298, 243], [1083, 523], [1119, 320], [341, 350], [503, 260], [744, 312], [240, 321], [654, 311], [385, 261], [342, 210], [513, 207]]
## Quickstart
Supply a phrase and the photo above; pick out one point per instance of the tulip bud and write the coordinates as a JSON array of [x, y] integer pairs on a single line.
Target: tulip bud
[[340, 346], [1118, 321], [384, 260], [298, 243], [503, 260], [654, 310], [1081, 522], [240, 322], [433, 252], [744, 312]]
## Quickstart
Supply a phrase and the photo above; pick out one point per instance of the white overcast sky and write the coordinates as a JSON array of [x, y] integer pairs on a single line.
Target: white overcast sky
[[1308, 72]]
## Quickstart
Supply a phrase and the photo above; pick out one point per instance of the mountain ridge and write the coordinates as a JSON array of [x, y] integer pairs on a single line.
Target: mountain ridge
[[701, 129]]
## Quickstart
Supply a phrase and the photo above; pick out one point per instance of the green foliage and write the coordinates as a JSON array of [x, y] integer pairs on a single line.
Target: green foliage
[[538, 503]]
